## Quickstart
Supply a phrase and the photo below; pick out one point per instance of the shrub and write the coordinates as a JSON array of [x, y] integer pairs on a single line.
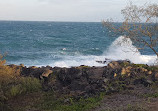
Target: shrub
[[30, 84], [21, 85], [12, 84], [7, 73], [15, 90]]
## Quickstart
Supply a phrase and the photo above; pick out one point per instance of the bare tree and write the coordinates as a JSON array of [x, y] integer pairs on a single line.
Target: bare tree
[[140, 25]]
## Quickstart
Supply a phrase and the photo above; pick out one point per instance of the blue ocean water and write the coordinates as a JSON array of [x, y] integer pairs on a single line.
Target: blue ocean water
[[62, 44]]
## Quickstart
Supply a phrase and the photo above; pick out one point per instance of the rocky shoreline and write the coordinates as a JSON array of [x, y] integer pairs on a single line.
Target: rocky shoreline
[[86, 82]]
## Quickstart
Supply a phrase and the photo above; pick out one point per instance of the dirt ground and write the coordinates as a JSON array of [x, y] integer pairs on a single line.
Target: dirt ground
[[131, 100]]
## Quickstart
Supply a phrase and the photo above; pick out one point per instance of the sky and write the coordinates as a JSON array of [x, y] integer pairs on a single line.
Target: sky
[[65, 10]]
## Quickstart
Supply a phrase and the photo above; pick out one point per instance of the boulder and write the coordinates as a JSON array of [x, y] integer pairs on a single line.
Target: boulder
[[114, 65], [84, 80], [149, 72], [126, 70], [22, 65], [144, 81], [46, 72]]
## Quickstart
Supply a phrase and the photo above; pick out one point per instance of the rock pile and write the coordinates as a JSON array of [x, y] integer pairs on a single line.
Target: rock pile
[[84, 80]]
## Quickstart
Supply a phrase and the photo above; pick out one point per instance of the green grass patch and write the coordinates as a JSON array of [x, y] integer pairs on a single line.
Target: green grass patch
[[50, 103], [30, 84], [17, 86], [140, 65], [153, 68], [154, 95]]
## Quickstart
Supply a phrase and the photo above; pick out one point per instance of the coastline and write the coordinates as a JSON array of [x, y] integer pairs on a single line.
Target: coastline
[[119, 80]]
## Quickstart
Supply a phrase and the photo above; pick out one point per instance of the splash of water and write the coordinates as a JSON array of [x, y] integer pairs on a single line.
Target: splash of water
[[122, 49]]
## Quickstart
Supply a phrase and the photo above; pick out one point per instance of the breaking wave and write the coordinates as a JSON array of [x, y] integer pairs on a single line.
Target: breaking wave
[[121, 49]]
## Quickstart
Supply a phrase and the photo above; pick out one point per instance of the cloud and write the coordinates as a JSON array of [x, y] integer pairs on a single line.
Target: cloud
[[64, 10]]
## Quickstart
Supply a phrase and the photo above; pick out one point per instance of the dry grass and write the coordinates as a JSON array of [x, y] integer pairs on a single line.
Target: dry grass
[[12, 84]]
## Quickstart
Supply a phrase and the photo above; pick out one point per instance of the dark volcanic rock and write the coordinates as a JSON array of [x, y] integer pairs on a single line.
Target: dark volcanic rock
[[36, 71], [84, 80]]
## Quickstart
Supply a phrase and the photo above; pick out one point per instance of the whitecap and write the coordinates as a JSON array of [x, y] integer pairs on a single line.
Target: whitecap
[[122, 48]]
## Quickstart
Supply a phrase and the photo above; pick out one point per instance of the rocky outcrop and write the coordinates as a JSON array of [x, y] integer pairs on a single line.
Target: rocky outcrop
[[38, 72], [114, 77], [84, 80]]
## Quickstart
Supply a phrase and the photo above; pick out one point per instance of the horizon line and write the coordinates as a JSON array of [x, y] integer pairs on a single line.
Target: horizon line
[[54, 21]]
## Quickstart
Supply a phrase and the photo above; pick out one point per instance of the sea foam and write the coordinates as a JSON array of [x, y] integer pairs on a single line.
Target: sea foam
[[121, 49]]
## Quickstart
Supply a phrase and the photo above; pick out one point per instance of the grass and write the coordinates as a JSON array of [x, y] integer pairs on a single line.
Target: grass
[[12, 84], [30, 84], [154, 95], [150, 68], [137, 107], [21, 93], [81, 105], [17, 86], [50, 103]]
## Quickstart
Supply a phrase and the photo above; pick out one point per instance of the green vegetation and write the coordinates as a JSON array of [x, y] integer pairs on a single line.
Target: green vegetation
[[28, 90], [21, 93], [13, 85], [155, 95], [50, 102]]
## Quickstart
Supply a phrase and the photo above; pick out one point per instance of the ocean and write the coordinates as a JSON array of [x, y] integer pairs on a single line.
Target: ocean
[[65, 44]]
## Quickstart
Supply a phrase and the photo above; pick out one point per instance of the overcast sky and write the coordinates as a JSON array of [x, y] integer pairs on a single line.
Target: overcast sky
[[64, 10]]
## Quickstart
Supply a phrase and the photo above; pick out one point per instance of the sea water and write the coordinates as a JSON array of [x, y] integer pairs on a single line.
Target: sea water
[[66, 44]]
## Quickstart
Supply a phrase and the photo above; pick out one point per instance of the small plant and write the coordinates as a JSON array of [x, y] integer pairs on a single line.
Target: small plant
[[140, 65], [15, 90], [21, 85], [30, 84], [51, 103], [12, 84], [154, 95]]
